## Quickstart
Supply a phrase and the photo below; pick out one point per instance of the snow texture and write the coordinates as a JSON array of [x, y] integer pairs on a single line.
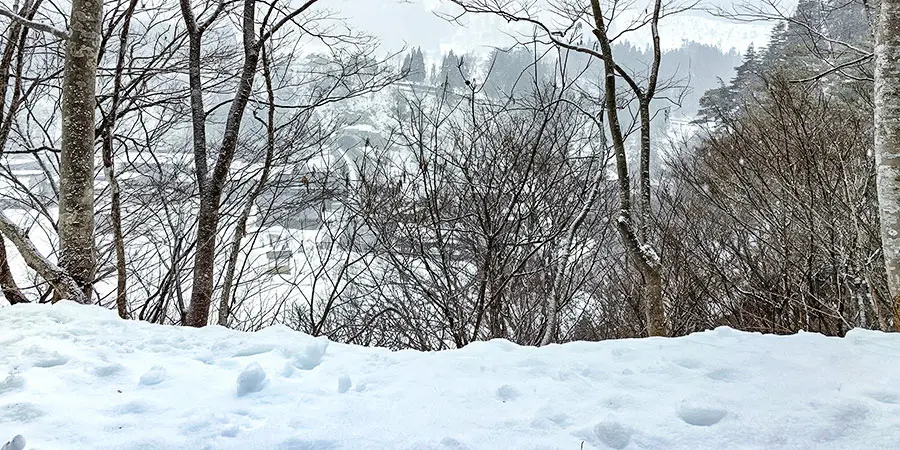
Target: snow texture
[[17, 443], [77, 377]]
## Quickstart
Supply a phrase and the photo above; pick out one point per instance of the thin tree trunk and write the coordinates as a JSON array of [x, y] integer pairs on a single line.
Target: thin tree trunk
[[7, 283], [76, 168], [565, 255], [887, 143], [15, 43], [212, 186], [110, 170], [241, 227], [638, 251], [211, 194]]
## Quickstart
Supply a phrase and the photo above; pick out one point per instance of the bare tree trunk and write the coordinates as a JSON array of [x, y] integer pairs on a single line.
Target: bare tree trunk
[[212, 184], [632, 234], [110, 170], [210, 196], [887, 143], [198, 112], [15, 44], [7, 283], [76, 167], [566, 254], [656, 315], [241, 227]]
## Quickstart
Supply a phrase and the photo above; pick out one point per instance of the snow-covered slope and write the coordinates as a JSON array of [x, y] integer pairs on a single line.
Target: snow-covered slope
[[76, 377]]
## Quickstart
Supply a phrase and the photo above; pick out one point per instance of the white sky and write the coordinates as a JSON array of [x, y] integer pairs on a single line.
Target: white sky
[[415, 23]]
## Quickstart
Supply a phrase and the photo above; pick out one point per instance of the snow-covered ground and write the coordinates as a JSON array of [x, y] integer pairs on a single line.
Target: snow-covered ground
[[76, 377]]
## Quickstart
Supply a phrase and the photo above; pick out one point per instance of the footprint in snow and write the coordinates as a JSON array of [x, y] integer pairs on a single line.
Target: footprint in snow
[[507, 393], [108, 370], [688, 363], [879, 396], [613, 434], [134, 407], [549, 420], [12, 382], [724, 375], [20, 412], [453, 444], [44, 358], [700, 416], [154, 376], [51, 361]]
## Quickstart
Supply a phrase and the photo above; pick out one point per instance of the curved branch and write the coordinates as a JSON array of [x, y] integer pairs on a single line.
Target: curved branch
[[35, 25]]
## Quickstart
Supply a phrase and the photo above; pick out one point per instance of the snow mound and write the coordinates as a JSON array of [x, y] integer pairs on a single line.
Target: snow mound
[[17, 443], [77, 377], [344, 384], [252, 379]]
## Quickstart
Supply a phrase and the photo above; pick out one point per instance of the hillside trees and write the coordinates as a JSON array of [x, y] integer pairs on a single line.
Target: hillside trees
[[413, 66], [775, 201], [775, 214], [359, 73], [633, 220], [493, 211]]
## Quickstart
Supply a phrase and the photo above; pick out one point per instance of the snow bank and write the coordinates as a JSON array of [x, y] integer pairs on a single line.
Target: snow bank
[[76, 377]]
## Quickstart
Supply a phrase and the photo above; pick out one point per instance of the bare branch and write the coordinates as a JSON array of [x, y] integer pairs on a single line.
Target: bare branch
[[35, 25]]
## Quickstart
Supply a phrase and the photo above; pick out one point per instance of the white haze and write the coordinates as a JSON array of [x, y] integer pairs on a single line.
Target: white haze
[[421, 23]]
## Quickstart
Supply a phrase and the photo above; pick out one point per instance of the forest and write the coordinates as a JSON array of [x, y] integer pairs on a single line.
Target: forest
[[245, 163]]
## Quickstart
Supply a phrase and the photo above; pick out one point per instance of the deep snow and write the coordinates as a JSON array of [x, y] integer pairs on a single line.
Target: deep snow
[[77, 377]]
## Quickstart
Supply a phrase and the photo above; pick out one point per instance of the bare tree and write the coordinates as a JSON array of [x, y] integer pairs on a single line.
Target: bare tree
[[632, 223], [12, 53], [109, 166], [358, 74], [77, 155], [773, 217], [76, 167]]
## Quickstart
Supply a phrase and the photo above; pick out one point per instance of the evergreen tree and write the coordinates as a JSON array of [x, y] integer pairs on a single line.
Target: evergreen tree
[[724, 102], [405, 67], [453, 72], [417, 66], [413, 66]]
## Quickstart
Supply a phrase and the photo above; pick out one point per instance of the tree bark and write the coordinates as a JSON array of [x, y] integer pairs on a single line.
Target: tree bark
[[211, 194], [76, 167], [887, 143], [7, 283], [633, 235]]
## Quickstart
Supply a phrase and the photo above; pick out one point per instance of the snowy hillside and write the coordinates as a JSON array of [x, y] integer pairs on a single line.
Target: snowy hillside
[[77, 377]]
